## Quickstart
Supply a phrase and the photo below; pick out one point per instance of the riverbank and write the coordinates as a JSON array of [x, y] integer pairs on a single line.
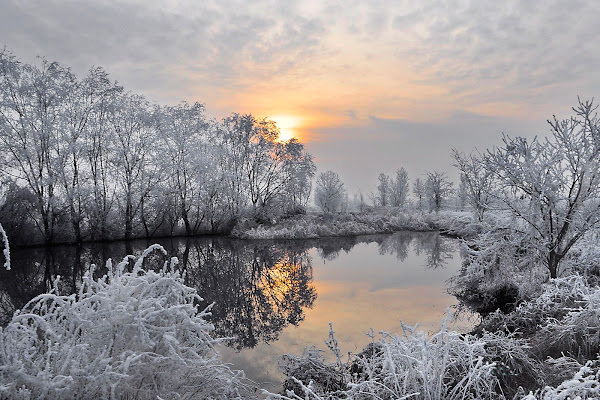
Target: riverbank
[[318, 225], [312, 226]]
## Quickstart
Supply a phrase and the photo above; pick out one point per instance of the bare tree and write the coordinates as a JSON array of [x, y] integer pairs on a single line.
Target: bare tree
[[329, 191], [477, 181], [419, 191], [383, 190], [552, 186], [399, 188], [437, 189]]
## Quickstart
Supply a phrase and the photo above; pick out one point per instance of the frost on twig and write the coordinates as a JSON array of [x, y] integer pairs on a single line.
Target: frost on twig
[[6, 250]]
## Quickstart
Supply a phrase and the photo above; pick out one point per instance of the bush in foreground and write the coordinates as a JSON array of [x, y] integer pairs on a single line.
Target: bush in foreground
[[547, 347], [447, 365], [131, 334]]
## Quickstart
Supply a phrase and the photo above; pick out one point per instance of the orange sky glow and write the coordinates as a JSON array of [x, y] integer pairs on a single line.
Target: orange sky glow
[[395, 84]]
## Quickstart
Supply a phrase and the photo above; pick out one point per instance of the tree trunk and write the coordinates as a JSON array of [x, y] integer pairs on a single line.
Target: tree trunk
[[553, 260], [128, 218]]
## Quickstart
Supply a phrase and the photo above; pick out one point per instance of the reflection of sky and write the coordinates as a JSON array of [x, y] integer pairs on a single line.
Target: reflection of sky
[[357, 291]]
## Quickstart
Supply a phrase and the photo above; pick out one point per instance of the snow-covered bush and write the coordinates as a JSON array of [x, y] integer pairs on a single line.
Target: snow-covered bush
[[447, 365], [131, 334], [500, 269], [585, 384], [559, 329]]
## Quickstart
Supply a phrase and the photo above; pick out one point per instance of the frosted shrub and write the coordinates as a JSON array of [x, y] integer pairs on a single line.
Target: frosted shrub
[[577, 333], [585, 384], [128, 335], [447, 365]]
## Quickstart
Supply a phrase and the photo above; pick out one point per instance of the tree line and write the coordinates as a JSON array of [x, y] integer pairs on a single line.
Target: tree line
[[83, 159], [431, 193]]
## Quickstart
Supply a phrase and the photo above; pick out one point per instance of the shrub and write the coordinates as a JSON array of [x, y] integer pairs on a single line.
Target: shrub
[[135, 334], [447, 365]]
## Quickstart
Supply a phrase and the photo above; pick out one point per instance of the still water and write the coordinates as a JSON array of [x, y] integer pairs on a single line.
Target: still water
[[276, 297]]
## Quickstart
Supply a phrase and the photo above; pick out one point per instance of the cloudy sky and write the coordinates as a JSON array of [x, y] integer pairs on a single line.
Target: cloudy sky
[[369, 86]]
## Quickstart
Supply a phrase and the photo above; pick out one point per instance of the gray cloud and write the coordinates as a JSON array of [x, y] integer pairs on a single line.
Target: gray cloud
[[512, 45], [219, 42]]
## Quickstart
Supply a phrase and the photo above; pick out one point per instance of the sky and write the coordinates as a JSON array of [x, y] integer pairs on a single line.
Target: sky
[[368, 86]]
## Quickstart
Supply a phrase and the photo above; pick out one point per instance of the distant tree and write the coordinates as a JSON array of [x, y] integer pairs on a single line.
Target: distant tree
[[552, 186], [399, 188], [329, 191], [359, 201], [437, 189], [476, 180], [383, 190], [462, 194], [419, 191]]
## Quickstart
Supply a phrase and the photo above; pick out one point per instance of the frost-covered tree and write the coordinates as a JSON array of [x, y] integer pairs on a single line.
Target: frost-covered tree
[[437, 189], [32, 100], [383, 190], [419, 190], [182, 130], [476, 180], [101, 206], [552, 186], [298, 170], [399, 188], [329, 191], [135, 162], [86, 102], [262, 171]]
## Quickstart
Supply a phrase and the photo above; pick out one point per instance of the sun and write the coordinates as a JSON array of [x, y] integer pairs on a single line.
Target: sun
[[287, 125]]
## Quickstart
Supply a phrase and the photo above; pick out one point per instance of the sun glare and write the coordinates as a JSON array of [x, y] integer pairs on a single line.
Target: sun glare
[[287, 125]]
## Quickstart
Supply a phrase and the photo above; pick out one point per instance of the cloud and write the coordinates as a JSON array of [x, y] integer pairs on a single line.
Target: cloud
[[510, 46], [350, 114], [432, 74], [220, 44]]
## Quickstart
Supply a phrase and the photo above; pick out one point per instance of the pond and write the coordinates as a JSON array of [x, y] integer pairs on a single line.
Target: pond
[[277, 297]]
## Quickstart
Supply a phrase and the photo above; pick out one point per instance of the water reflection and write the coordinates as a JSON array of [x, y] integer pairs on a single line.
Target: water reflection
[[436, 249], [257, 287]]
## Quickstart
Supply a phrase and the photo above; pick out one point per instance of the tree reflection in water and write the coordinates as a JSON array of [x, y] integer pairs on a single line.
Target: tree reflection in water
[[257, 287], [437, 249]]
